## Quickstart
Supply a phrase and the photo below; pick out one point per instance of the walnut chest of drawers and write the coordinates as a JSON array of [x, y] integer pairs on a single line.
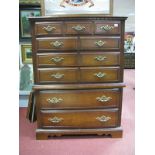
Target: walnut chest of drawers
[[78, 75]]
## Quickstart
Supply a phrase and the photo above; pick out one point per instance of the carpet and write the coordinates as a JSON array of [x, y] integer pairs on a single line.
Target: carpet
[[84, 146]]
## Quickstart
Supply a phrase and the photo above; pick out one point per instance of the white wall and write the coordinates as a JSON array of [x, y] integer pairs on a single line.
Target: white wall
[[120, 8], [125, 8]]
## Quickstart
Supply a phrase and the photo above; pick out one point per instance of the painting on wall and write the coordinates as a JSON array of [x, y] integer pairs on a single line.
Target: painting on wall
[[50, 7], [25, 67], [26, 52], [25, 13], [29, 2]]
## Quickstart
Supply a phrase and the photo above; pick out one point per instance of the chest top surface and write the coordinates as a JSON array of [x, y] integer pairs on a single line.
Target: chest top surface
[[80, 17]]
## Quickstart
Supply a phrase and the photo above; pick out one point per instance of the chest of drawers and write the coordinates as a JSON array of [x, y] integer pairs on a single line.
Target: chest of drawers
[[78, 75]]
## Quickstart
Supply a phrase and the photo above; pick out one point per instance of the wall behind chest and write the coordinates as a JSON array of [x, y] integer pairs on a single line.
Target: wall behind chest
[[32, 8], [27, 8]]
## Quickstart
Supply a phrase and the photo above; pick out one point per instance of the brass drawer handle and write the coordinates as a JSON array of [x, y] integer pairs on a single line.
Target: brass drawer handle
[[57, 59], [106, 27], [100, 43], [57, 76], [103, 99], [49, 28], [55, 119], [100, 74], [78, 28], [57, 44], [54, 100], [103, 118], [100, 58]]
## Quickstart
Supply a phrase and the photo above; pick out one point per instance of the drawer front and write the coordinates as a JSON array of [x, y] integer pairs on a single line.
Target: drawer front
[[100, 43], [56, 59], [79, 28], [102, 98], [59, 43], [100, 59], [78, 119], [73, 59], [100, 74], [58, 75], [48, 28], [107, 27]]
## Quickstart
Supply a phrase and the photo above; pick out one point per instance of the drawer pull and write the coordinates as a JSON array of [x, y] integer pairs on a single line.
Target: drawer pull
[[100, 74], [54, 100], [100, 43], [49, 28], [57, 59], [106, 27], [57, 75], [78, 28], [103, 99], [55, 119], [57, 44], [103, 118], [100, 58]]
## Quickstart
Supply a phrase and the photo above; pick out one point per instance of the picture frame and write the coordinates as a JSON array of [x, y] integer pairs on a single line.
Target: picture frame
[[29, 2], [50, 7], [26, 53], [24, 27]]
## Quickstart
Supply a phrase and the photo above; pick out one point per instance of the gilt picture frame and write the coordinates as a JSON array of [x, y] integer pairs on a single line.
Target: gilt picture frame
[[50, 7], [26, 53]]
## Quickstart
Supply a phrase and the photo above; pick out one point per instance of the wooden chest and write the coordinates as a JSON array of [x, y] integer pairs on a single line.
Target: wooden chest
[[78, 75]]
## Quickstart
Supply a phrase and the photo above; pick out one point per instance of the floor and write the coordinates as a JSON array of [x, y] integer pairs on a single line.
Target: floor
[[84, 146]]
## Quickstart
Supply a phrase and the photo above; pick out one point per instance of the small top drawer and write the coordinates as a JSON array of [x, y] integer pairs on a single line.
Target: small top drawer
[[107, 27], [48, 28], [79, 28]]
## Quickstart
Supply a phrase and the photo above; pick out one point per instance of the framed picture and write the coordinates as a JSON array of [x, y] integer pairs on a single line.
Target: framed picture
[[26, 53], [29, 2], [50, 7], [24, 13]]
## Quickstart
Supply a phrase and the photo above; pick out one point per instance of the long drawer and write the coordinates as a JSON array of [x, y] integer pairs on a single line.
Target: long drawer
[[82, 74], [69, 99], [81, 59], [75, 43], [78, 118]]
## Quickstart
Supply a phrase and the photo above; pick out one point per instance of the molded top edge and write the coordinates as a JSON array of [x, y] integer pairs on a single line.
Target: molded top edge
[[77, 16]]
